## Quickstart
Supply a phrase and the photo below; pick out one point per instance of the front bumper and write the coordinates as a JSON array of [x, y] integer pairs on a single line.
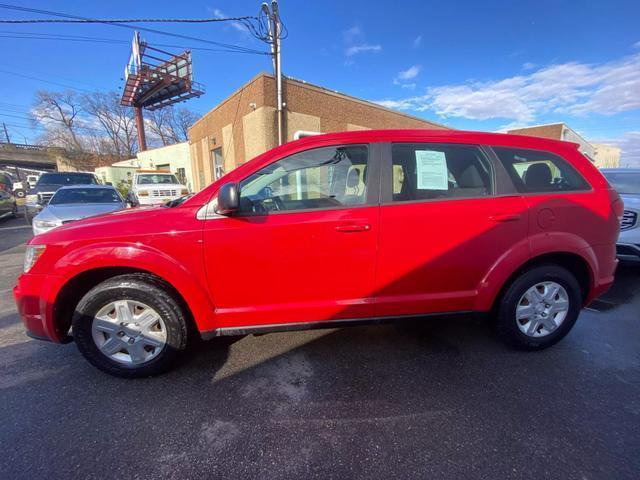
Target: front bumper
[[35, 297], [33, 208], [628, 252]]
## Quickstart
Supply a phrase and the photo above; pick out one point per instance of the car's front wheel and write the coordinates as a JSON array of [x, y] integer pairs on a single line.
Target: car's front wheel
[[539, 307], [130, 326]]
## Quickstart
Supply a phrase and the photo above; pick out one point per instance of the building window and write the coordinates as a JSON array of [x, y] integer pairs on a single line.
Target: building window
[[182, 175], [217, 163]]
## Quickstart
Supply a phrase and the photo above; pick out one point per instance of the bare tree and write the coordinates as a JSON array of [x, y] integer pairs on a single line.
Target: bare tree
[[116, 122], [171, 125], [98, 127], [58, 113], [159, 123], [183, 120]]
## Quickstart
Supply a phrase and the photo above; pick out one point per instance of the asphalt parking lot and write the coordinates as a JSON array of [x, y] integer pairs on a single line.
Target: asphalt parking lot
[[431, 399]]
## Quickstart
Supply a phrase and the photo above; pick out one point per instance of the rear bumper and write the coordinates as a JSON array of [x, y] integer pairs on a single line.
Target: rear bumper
[[35, 297], [604, 273]]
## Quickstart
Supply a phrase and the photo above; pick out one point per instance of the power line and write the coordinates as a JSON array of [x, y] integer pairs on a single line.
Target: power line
[[116, 23], [45, 81], [108, 41]]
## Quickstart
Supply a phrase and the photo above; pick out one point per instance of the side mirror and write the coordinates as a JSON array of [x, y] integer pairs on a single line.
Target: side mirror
[[228, 200]]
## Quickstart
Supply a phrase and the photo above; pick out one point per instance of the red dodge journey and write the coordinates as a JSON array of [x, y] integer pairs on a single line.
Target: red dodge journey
[[335, 230]]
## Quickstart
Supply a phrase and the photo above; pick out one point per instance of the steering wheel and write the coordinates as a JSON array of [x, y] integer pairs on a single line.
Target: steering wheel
[[278, 203]]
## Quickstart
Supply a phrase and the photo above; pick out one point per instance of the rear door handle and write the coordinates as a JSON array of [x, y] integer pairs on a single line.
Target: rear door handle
[[353, 227], [506, 217]]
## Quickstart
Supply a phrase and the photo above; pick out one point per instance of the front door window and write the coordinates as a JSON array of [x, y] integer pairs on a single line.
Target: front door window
[[321, 178]]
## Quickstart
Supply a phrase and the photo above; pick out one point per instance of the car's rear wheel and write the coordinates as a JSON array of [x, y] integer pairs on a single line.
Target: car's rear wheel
[[539, 307], [130, 326]]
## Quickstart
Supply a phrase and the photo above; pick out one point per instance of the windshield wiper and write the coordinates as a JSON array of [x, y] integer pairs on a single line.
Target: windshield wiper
[[178, 201]]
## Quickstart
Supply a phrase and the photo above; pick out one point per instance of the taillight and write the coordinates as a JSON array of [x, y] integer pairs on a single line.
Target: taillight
[[617, 205]]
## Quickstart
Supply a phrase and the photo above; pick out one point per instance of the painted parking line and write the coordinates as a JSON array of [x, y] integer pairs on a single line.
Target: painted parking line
[[15, 228]]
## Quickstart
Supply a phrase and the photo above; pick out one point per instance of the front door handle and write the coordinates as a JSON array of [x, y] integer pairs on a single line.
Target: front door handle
[[353, 227], [506, 217]]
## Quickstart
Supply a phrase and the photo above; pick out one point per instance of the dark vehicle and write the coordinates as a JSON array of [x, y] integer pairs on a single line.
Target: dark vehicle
[[6, 182], [8, 205], [48, 184]]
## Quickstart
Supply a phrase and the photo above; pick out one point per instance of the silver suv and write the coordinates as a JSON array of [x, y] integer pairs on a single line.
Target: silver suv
[[626, 181]]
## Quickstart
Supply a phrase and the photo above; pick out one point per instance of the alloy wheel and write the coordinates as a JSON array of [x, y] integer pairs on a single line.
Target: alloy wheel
[[542, 309], [129, 332]]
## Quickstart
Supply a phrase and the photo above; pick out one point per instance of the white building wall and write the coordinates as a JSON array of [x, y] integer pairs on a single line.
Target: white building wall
[[176, 157], [606, 156], [570, 135]]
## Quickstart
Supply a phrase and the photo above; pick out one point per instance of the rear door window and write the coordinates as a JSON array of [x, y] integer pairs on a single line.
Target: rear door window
[[426, 171], [539, 171]]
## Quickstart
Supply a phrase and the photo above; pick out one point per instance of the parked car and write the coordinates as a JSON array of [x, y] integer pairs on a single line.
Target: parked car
[[6, 181], [75, 202], [626, 181], [48, 183], [155, 187], [335, 230], [20, 189], [8, 204], [32, 180]]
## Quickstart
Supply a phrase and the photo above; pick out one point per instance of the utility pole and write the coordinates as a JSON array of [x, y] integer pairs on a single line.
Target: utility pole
[[274, 36], [6, 133]]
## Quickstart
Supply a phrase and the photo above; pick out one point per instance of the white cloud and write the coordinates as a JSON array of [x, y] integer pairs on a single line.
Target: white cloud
[[217, 13], [351, 34], [528, 66], [410, 73], [418, 41], [403, 78], [572, 88], [637, 44], [355, 42], [364, 47], [630, 145]]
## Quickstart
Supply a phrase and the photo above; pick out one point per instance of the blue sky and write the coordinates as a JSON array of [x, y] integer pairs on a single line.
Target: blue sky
[[473, 65]]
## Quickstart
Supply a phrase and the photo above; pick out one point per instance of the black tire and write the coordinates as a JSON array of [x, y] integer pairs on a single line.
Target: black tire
[[506, 323], [141, 288], [19, 193]]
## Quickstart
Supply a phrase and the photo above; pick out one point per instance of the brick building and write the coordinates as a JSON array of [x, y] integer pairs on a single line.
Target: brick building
[[557, 131], [244, 125]]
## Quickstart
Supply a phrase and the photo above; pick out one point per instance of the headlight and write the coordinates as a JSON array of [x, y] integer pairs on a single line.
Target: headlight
[[32, 198], [47, 224], [143, 193], [31, 256], [184, 191]]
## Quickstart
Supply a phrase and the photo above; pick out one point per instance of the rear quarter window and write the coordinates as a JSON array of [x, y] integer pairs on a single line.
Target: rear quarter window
[[539, 171]]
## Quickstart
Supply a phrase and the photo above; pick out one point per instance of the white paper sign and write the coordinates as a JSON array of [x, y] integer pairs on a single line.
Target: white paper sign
[[431, 168]]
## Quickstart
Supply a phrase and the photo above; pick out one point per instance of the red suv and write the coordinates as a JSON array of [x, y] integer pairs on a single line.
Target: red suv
[[335, 230]]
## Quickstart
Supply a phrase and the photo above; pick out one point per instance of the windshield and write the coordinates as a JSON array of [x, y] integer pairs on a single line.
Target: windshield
[[153, 178], [67, 179], [85, 195], [628, 183]]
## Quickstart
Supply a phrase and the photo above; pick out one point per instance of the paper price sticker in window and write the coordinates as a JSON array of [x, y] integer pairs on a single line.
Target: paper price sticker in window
[[431, 169]]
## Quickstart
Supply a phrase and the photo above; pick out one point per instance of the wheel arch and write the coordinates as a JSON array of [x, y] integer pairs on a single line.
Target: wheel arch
[[77, 287], [575, 263]]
